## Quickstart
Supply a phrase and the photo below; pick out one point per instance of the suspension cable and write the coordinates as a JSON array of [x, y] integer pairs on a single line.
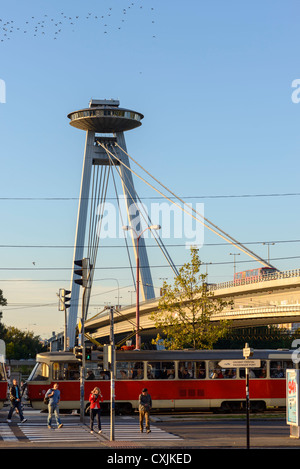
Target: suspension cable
[[222, 234], [157, 237]]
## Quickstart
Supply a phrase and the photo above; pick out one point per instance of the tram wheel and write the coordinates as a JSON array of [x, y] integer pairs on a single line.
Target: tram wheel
[[127, 409], [258, 406]]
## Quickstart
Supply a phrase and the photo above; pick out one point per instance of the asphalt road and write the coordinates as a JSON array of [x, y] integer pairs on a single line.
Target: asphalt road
[[188, 432]]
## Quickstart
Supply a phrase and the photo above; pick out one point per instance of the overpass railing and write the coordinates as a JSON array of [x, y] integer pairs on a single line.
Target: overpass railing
[[249, 280], [271, 309]]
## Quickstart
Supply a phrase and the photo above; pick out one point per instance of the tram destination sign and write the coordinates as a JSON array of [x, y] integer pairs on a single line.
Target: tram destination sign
[[243, 363]]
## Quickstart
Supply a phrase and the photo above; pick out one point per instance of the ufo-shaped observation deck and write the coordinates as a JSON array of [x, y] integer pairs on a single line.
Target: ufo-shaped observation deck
[[105, 117]]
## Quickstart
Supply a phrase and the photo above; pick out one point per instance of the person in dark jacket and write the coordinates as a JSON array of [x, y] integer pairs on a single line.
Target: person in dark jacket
[[145, 404], [15, 402], [95, 408]]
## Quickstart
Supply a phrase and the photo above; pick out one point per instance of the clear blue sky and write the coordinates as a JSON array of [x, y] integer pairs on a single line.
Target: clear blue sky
[[214, 82]]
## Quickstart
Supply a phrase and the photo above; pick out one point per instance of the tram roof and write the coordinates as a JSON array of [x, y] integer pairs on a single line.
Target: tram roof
[[199, 354], [56, 356], [169, 355]]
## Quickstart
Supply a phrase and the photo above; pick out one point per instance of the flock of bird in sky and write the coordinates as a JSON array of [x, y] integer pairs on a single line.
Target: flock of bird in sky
[[48, 25]]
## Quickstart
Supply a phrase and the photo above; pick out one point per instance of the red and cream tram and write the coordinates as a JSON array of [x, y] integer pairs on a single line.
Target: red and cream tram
[[248, 276], [175, 379], [3, 381]]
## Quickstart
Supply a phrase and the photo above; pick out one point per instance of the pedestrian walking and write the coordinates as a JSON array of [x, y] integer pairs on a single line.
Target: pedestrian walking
[[95, 408], [145, 404], [53, 406], [15, 402]]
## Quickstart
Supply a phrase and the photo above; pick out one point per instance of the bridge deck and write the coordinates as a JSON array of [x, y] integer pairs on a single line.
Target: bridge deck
[[274, 300]]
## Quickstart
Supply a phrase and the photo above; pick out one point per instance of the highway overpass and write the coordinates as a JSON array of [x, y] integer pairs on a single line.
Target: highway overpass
[[273, 300]]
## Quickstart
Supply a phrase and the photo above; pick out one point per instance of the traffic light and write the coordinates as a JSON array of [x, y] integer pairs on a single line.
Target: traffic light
[[78, 353], [109, 356], [88, 353], [83, 272], [65, 298]]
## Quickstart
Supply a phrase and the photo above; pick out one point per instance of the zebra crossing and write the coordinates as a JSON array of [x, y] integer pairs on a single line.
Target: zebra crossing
[[39, 432], [125, 429], [6, 433]]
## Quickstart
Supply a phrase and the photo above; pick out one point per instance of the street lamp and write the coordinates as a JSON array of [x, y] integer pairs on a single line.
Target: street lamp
[[236, 254], [127, 228], [268, 244]]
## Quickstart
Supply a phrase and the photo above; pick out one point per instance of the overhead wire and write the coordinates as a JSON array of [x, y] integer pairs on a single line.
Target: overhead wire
[[71, 246], [221, 196], [124, 267], [100, 195]]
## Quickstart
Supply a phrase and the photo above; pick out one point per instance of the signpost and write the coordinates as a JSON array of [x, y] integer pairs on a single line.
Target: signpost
[[292, 402], [244, 363], [82, 368], [239, 363], [247, 353], [112, 376], [109, 364]]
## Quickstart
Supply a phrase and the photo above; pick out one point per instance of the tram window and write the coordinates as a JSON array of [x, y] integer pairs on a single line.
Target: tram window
[[200, 370], [90, 375], [161, 370], [65, 371], [72, 371], [256, 372], [190, 370], [40, 372], [94, 371], [130, 370], [278, 368], [186, 370], [216, 372]]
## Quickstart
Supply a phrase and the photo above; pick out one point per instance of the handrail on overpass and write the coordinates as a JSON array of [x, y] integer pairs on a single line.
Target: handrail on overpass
[[218, 286], [248, 280]]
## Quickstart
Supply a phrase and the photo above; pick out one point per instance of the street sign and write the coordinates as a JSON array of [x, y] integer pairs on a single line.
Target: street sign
[[239, 363], [292, 397], [247, 351], [80, 339]]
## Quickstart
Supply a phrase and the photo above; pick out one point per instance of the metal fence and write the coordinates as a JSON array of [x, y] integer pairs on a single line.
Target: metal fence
[[251, 280]]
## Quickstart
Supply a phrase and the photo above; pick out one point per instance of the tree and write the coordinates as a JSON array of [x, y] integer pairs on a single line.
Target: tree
[[19, 344], [185, 310], [3, 302]]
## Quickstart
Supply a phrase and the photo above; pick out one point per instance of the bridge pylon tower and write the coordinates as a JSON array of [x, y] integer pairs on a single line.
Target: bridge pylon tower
[[105, 123]]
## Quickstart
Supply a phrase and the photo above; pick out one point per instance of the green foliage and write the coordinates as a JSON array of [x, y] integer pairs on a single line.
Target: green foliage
[[20, 344], [3, 301], [185, 310]]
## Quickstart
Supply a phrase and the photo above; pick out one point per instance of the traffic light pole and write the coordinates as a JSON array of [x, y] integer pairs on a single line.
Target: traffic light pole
[[64, 304], [247, 352], [112, 376], [247, 407], [84, 281], [82, 369]]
